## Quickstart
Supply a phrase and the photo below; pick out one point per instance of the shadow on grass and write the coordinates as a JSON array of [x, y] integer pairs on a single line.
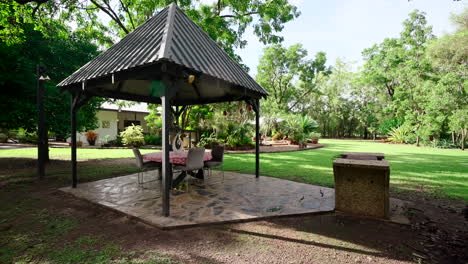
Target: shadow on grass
[[59, 171], [344, 234]]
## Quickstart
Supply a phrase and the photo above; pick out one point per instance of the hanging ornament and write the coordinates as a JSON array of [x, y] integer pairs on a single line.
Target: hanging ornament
[[249, 107], [225, 113]]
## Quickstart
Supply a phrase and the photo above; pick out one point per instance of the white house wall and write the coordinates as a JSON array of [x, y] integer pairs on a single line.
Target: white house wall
[[104, 118], [110, 123], [108, 118]]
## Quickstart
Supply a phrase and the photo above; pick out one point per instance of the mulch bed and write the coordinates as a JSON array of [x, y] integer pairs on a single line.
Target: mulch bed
[[276, 149]]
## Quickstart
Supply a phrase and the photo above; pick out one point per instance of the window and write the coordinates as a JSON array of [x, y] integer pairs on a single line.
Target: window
[[130, 122], [105, 124]]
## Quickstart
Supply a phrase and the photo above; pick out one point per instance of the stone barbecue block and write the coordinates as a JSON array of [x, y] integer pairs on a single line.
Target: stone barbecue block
[[362, 187]]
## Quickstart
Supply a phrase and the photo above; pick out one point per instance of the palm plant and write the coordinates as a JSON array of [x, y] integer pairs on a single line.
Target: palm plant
[[299, 128]]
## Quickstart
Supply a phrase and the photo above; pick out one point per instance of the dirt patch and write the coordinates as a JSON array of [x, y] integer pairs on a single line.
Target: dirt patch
[[437, 233]]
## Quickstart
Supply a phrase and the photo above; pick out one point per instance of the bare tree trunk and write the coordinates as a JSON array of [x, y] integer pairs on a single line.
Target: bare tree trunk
[[453, 137], [417, 141]]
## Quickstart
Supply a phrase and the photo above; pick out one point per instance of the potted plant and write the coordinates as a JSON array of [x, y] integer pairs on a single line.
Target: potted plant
[[91, 137]]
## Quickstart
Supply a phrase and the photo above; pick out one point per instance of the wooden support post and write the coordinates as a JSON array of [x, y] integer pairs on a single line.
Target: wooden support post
[[257, 138], [166, 166], [73, 110]]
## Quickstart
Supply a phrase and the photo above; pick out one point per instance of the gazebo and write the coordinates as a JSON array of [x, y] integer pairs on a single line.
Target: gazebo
[[168, 60]]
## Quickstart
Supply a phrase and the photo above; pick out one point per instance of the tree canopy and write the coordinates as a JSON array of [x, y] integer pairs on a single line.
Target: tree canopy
[[65, 34], [62, 53], [411, 88], [225, 21], [289, 76]]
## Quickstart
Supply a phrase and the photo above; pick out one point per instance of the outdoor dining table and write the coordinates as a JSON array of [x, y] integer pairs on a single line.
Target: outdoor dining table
[[180, 158]]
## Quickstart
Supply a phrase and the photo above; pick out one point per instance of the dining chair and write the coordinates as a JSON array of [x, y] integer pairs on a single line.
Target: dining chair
[[144, 166], [217, 160], [194, 162]]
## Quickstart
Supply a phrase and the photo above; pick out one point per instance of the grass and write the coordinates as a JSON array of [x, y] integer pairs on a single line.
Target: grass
[[65, 153], [34, 234], [29, 234], [439, 172]]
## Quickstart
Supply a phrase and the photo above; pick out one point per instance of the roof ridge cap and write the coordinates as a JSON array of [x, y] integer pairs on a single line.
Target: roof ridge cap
[[168, 33]]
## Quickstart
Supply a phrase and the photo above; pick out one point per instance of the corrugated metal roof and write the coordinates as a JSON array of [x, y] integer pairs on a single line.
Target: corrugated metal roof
[[169, 35]]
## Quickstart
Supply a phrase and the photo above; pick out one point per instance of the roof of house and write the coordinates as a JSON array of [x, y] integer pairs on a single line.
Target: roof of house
[[170, 36], [138, 107]]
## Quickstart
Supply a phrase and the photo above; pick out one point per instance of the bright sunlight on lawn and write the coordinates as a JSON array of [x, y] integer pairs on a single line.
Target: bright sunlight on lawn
[[441, 172], [436, 171]]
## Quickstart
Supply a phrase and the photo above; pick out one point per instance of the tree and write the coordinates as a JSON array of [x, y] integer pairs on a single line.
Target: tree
[[449, 58], [289, 77], [459, 123], [225, 21], [62, 54], [399, 68], [333, 106]]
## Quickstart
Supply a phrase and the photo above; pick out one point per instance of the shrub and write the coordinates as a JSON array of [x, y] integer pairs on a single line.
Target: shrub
[[387, 125], [299, 128], [442, 143], [239, 137], [314, 135], [208, 141], [233, 142], [117, 142], [278, 136], [399, 134], [24, 136], [133, 136], [153, 139]]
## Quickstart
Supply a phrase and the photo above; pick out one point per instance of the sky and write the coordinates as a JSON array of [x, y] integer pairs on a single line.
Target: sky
[[345, 28]]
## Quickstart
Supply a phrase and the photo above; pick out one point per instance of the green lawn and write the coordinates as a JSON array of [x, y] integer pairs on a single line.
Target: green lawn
[[65, 153], [439, 172]]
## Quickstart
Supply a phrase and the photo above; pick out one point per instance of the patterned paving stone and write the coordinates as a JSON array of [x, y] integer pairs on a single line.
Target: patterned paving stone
[[239, 197]]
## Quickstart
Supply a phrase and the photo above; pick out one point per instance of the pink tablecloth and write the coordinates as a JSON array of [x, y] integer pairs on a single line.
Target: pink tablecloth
[[177, 157]]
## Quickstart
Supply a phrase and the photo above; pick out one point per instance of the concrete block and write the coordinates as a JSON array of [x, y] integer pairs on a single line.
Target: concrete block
[[362, 187]]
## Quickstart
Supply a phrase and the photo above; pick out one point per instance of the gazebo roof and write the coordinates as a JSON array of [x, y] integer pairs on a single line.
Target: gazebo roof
[[169, 42]]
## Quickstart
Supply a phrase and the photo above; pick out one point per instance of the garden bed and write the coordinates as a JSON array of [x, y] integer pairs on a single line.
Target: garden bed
[[276, 149]]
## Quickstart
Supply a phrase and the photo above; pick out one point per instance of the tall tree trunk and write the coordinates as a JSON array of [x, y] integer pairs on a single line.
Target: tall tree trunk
[[453, 137], [417, 141]]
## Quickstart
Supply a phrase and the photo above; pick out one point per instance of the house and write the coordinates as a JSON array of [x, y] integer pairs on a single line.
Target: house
[[112, 119]]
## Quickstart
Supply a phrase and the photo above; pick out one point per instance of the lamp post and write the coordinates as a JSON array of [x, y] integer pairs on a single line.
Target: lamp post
[[42, 152]]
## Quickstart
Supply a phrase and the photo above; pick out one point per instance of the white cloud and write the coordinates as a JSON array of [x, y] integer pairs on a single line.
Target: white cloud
[[297, 3]]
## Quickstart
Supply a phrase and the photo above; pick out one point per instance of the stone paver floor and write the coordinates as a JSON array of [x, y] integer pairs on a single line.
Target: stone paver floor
[[239, 197]]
